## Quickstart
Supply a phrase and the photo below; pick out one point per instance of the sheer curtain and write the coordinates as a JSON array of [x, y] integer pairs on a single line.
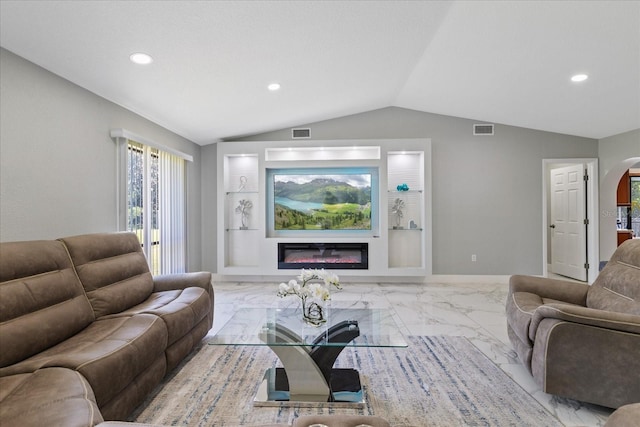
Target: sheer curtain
[[171, 213]]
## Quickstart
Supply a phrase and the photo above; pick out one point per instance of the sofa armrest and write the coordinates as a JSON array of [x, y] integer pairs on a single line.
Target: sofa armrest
[[622, 322], [624, 416], [168, 282], [587, 363], [561, 290]]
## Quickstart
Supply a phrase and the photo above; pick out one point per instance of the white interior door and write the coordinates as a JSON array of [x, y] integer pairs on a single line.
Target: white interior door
[[568, 215]]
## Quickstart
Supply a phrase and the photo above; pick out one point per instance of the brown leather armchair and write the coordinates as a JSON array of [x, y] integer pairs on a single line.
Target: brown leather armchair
[[581, 341]]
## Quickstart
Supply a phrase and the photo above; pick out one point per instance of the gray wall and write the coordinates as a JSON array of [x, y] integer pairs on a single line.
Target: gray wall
[[487, 190], [58, 163], [209, 207]]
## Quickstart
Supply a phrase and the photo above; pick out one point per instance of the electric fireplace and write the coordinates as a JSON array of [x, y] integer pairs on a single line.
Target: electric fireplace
[[344, 256]]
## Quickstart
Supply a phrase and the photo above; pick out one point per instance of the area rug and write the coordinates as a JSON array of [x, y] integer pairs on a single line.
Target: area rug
[[436, 381]]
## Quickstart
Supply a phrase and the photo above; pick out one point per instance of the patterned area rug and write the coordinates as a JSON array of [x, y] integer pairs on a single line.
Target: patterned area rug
[[436, 381]]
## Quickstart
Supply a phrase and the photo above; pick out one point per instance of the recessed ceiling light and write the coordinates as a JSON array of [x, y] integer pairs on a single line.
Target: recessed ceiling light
[[140, 58], [273, 87], [579, 78]]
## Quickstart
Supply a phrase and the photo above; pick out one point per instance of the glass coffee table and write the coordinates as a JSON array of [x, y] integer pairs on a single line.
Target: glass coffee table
[[308, 353]]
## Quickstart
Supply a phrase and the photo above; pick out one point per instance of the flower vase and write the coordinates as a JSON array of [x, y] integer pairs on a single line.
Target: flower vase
[[313, 311], [313, 295]]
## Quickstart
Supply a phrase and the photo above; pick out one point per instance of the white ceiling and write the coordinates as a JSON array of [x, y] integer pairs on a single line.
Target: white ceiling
[[494, 61]]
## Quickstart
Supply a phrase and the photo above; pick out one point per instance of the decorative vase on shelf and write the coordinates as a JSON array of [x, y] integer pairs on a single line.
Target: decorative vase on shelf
[[313, 291]]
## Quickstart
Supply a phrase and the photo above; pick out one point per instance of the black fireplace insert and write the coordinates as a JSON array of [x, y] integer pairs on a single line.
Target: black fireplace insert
[[344, 256]]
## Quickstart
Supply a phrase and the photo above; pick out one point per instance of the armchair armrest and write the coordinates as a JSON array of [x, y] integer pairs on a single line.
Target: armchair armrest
[[622, 322], [168, 282], [561, 290]]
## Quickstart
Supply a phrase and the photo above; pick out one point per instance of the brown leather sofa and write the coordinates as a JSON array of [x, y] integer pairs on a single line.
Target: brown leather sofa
[[86, 332], [581, 341]]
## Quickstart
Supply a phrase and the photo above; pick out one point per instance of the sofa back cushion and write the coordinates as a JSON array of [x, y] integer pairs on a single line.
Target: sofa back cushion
[[617, 287], [42, 302], [112, 269]]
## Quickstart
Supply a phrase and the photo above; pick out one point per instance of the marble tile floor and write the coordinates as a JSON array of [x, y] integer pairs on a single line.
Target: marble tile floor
[[472, 310]]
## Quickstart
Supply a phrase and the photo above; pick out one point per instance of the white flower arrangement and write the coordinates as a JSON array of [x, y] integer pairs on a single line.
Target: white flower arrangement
[[304, 289], [313, 312]]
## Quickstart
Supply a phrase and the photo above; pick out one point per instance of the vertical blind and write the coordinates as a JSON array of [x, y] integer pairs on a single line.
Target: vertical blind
[[172, 214], [156, 206]]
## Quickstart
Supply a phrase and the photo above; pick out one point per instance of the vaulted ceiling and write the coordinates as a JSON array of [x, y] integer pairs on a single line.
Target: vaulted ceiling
[[506, 62]]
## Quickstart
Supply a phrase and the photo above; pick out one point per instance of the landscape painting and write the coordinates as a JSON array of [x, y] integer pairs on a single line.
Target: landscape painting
[[316, 200]]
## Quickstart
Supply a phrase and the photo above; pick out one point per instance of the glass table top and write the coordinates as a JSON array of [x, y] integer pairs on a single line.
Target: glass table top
[[285, 327]]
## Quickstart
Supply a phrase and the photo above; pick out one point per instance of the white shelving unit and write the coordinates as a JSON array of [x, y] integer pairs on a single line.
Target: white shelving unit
[[396, 246], [405, 201], [241, 189]]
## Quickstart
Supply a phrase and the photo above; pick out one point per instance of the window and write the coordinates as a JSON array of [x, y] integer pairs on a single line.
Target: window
[[152, 202], [142, 200]]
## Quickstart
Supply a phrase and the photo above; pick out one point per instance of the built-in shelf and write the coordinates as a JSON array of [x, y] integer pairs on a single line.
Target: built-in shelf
[[241, 192], [243, 175], [406, 209]]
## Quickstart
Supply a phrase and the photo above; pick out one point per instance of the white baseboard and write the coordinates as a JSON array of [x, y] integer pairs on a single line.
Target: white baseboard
[[467, 278], [435, 278]]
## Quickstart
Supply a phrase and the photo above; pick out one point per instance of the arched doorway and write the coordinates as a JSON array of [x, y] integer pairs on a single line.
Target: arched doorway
[[608, 206]]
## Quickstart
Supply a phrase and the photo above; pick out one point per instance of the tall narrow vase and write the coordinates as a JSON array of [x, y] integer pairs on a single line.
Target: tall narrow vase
[[313, 311]]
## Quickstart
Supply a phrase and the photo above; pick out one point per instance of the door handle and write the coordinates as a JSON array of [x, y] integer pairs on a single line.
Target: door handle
[[552, 226]]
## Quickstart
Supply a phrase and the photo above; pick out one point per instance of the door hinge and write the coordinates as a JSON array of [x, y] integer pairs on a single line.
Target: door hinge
[[586, 265], [586, 177], [586, 222]]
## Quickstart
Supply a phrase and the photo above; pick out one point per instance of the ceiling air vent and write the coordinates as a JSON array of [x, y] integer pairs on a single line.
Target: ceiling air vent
[[483, 129], [301, 133]]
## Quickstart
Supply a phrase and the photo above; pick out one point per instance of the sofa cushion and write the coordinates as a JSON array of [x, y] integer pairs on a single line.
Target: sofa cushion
[[109, 353], [201, 279], [53, 396], [181, 310], [112, 269], [523, 349], [617, 287], [42, 302]]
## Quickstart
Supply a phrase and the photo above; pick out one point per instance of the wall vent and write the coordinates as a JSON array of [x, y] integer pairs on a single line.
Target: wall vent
[[301, 133], [483, 129]]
